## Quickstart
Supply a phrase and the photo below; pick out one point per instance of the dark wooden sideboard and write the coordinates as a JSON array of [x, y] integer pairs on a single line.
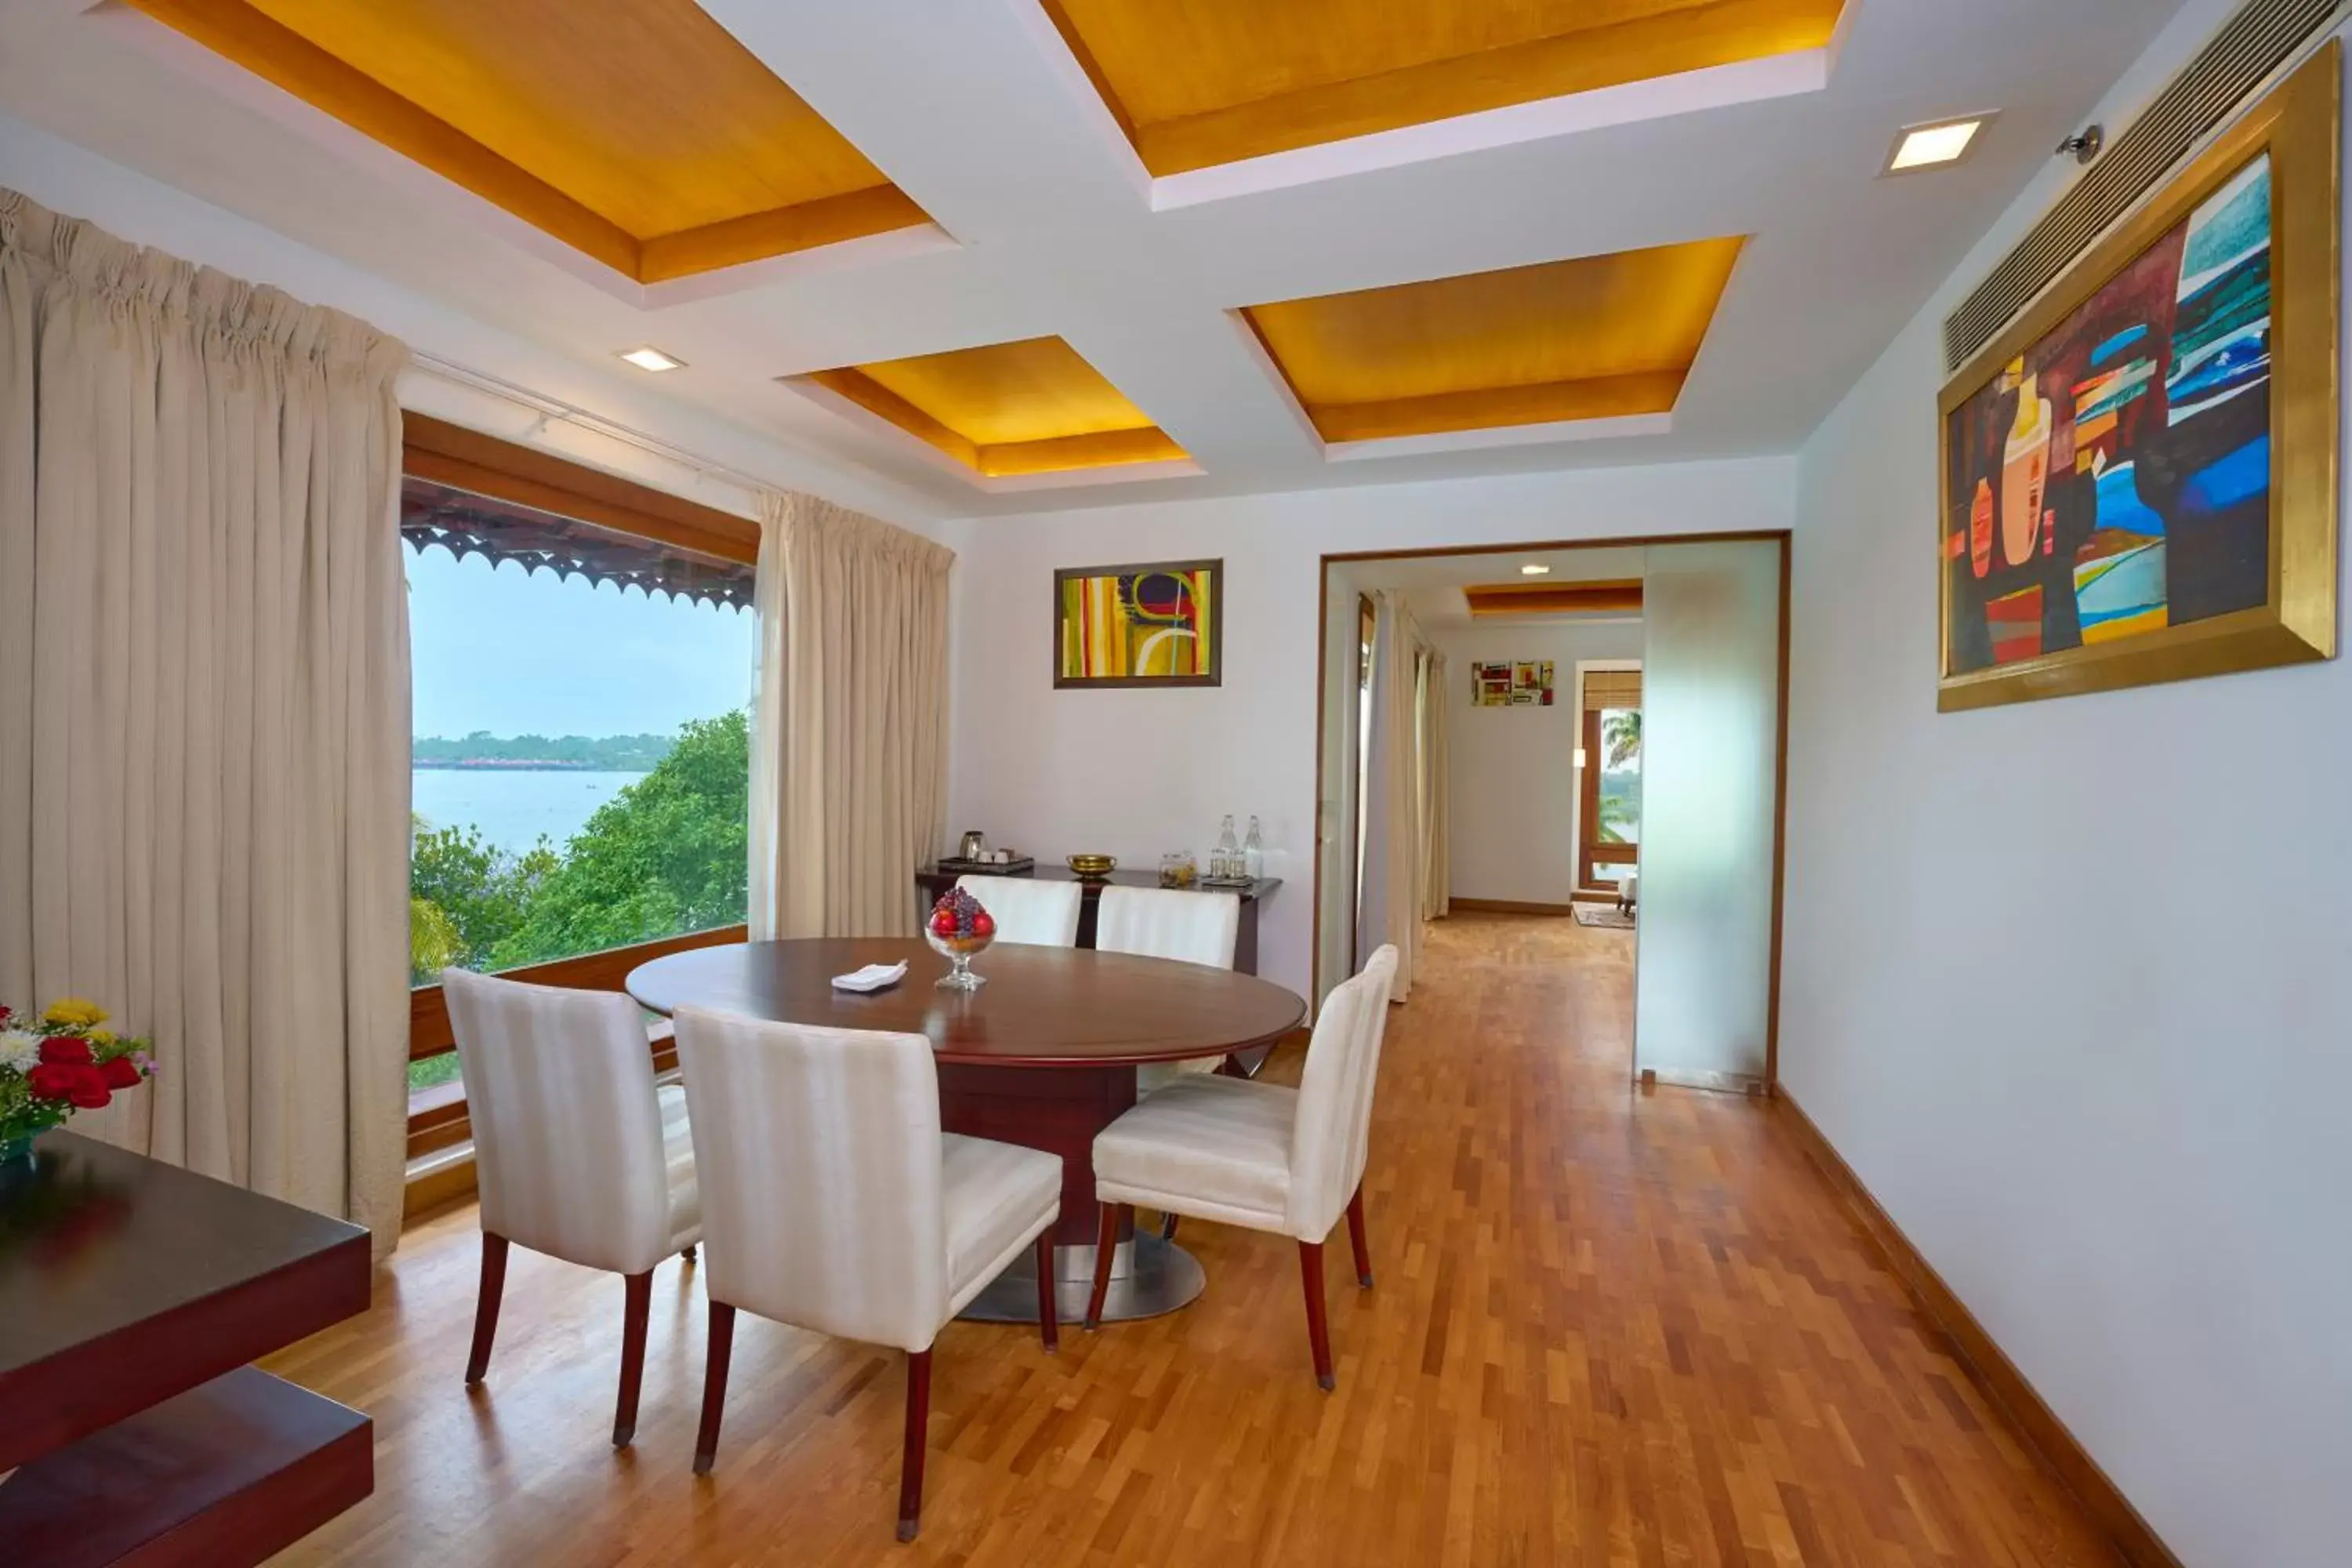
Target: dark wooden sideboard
[[934, 881], [133, 1296]]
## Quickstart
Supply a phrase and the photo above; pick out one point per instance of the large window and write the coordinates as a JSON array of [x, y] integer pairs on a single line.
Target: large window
[[1609, 830], [581, 749]]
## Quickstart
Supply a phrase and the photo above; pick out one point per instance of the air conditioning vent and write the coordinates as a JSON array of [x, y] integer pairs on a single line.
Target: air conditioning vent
[[2253, 44]]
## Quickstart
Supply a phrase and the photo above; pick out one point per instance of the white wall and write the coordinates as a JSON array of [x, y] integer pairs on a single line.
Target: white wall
[[1138, 773], [1513, 778], [2069, 984]]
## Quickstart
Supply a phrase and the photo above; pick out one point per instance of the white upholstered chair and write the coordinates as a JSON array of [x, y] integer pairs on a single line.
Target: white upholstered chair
[[578, 1154], [1288, 1161], [1168, 922], [834, 1203], [1026, 908]]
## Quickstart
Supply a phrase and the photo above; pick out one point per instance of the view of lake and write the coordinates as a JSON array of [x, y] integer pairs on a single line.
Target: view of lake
[[514, 807]]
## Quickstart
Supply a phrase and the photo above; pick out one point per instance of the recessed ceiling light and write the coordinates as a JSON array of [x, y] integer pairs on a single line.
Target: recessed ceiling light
[[1534, 569], [651, 358], [1937, 144]]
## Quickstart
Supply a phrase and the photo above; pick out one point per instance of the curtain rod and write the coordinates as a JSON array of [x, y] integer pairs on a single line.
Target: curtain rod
[[555, 408]]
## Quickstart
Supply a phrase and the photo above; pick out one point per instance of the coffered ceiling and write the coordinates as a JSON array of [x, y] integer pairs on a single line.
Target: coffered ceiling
[[1005, 255], [1587, 339], [1032, 407], [637, 131], [1215, 81]]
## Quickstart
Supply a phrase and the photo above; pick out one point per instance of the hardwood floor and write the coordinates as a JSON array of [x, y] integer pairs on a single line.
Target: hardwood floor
[[1608, 1328]]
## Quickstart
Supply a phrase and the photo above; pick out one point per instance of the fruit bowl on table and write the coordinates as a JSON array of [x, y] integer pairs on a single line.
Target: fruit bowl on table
[[959, 929], [1093, 867]]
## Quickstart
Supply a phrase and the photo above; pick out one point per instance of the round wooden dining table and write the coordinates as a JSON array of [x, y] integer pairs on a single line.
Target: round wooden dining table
[[1043, 1055]]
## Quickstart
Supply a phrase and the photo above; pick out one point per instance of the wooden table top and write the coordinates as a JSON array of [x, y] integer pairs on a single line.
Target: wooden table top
[[1042, 1006], [124, 1280]]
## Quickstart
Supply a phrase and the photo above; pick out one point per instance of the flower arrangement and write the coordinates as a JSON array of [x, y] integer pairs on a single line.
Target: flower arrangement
[[63, 1061]]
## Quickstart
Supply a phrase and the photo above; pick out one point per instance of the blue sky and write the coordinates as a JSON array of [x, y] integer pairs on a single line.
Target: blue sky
[[520, 654]]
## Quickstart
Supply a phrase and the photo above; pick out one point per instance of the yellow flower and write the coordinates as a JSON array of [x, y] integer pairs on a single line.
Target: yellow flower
[[100, 1037], [73, 1012]]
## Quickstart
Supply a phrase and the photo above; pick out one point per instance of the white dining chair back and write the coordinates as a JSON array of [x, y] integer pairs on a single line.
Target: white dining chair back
[[1330, 1137], [836, 1203], [1168, 922], [1027, 909], [570, 1152], [1272, 1158], [820, 1153], [577, 1152]]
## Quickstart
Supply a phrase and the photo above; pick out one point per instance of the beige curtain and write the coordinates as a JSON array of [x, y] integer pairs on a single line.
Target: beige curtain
[[1388, 901], [1437, 764], [204, 705], [849, 746]]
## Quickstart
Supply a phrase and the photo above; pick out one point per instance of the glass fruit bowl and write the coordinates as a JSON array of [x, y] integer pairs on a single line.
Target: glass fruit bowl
[[959, 931]]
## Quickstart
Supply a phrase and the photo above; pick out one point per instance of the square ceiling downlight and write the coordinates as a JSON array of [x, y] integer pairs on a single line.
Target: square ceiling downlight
[[637, 131], [1593, 338], [1028, 407], [1215, 81]]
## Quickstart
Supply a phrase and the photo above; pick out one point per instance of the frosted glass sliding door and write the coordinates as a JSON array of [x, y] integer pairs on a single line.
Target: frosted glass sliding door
[[1710, 745]]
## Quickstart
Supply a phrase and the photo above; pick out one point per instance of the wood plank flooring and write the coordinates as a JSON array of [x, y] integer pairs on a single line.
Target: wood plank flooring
[[1608, 1328]]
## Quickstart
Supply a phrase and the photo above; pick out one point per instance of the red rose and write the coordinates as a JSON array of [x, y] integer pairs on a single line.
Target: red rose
[[7, 1013], [90, 1091], [67, 1050], [52, 1081], [119, 1073]]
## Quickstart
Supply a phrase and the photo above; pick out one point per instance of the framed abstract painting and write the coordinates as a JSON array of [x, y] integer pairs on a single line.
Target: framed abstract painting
[[2139, 475], [1159, 625]]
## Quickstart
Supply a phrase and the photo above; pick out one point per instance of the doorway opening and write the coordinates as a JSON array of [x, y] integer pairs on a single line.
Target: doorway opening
[[1590, 733]]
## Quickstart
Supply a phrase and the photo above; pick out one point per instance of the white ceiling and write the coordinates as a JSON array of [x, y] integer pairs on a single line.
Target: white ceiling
[[974, 110]]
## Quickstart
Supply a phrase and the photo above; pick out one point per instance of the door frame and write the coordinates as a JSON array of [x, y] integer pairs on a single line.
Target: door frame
[[1782, 536]]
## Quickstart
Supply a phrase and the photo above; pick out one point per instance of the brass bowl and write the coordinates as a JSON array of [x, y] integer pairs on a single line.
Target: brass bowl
[[1093, 866]]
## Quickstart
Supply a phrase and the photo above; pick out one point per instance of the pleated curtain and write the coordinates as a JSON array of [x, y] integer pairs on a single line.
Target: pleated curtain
[[204, 705], [849, 748], [1390, 893], [1436, 772]]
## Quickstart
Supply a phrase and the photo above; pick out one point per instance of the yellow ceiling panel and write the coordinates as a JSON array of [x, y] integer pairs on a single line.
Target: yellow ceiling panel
[[1587, 338], [1213, 81], [1032, 407], [638, 131]]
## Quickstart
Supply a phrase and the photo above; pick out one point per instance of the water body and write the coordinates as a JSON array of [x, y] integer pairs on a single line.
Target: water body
[[515, 807]]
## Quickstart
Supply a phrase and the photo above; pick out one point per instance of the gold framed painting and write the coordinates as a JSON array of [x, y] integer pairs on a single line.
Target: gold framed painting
[[1157, 625], [2138, 477]]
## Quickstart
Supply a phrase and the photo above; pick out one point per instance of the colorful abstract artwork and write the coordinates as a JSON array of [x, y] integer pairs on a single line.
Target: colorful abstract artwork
[[1524, 684], [2116, 477], [2121, 501], [1138, 625]]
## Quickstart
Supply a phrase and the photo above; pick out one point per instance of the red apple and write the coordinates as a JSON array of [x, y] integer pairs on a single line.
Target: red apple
[[982, 924]]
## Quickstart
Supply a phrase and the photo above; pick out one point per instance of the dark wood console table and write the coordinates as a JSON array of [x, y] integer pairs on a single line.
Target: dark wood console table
[[132, 1295], [934, 881]]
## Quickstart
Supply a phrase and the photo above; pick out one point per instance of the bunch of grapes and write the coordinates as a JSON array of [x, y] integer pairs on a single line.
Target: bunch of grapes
[[958, 919]]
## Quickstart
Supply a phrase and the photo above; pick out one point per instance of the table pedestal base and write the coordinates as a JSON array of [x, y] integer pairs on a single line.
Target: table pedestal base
[[1149, 1276]]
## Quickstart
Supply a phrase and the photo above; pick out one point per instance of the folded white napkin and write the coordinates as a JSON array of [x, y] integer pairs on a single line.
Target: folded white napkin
[[872, 977]]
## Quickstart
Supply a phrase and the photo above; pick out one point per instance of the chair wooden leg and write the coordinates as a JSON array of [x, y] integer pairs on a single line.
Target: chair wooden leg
[[633, 1355], [1049, 1312], [1105, 1244], [486, 1305], [714, 1386], [910, 1464], [1167, 1227], [1319, 1332], [1356, 1242]]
